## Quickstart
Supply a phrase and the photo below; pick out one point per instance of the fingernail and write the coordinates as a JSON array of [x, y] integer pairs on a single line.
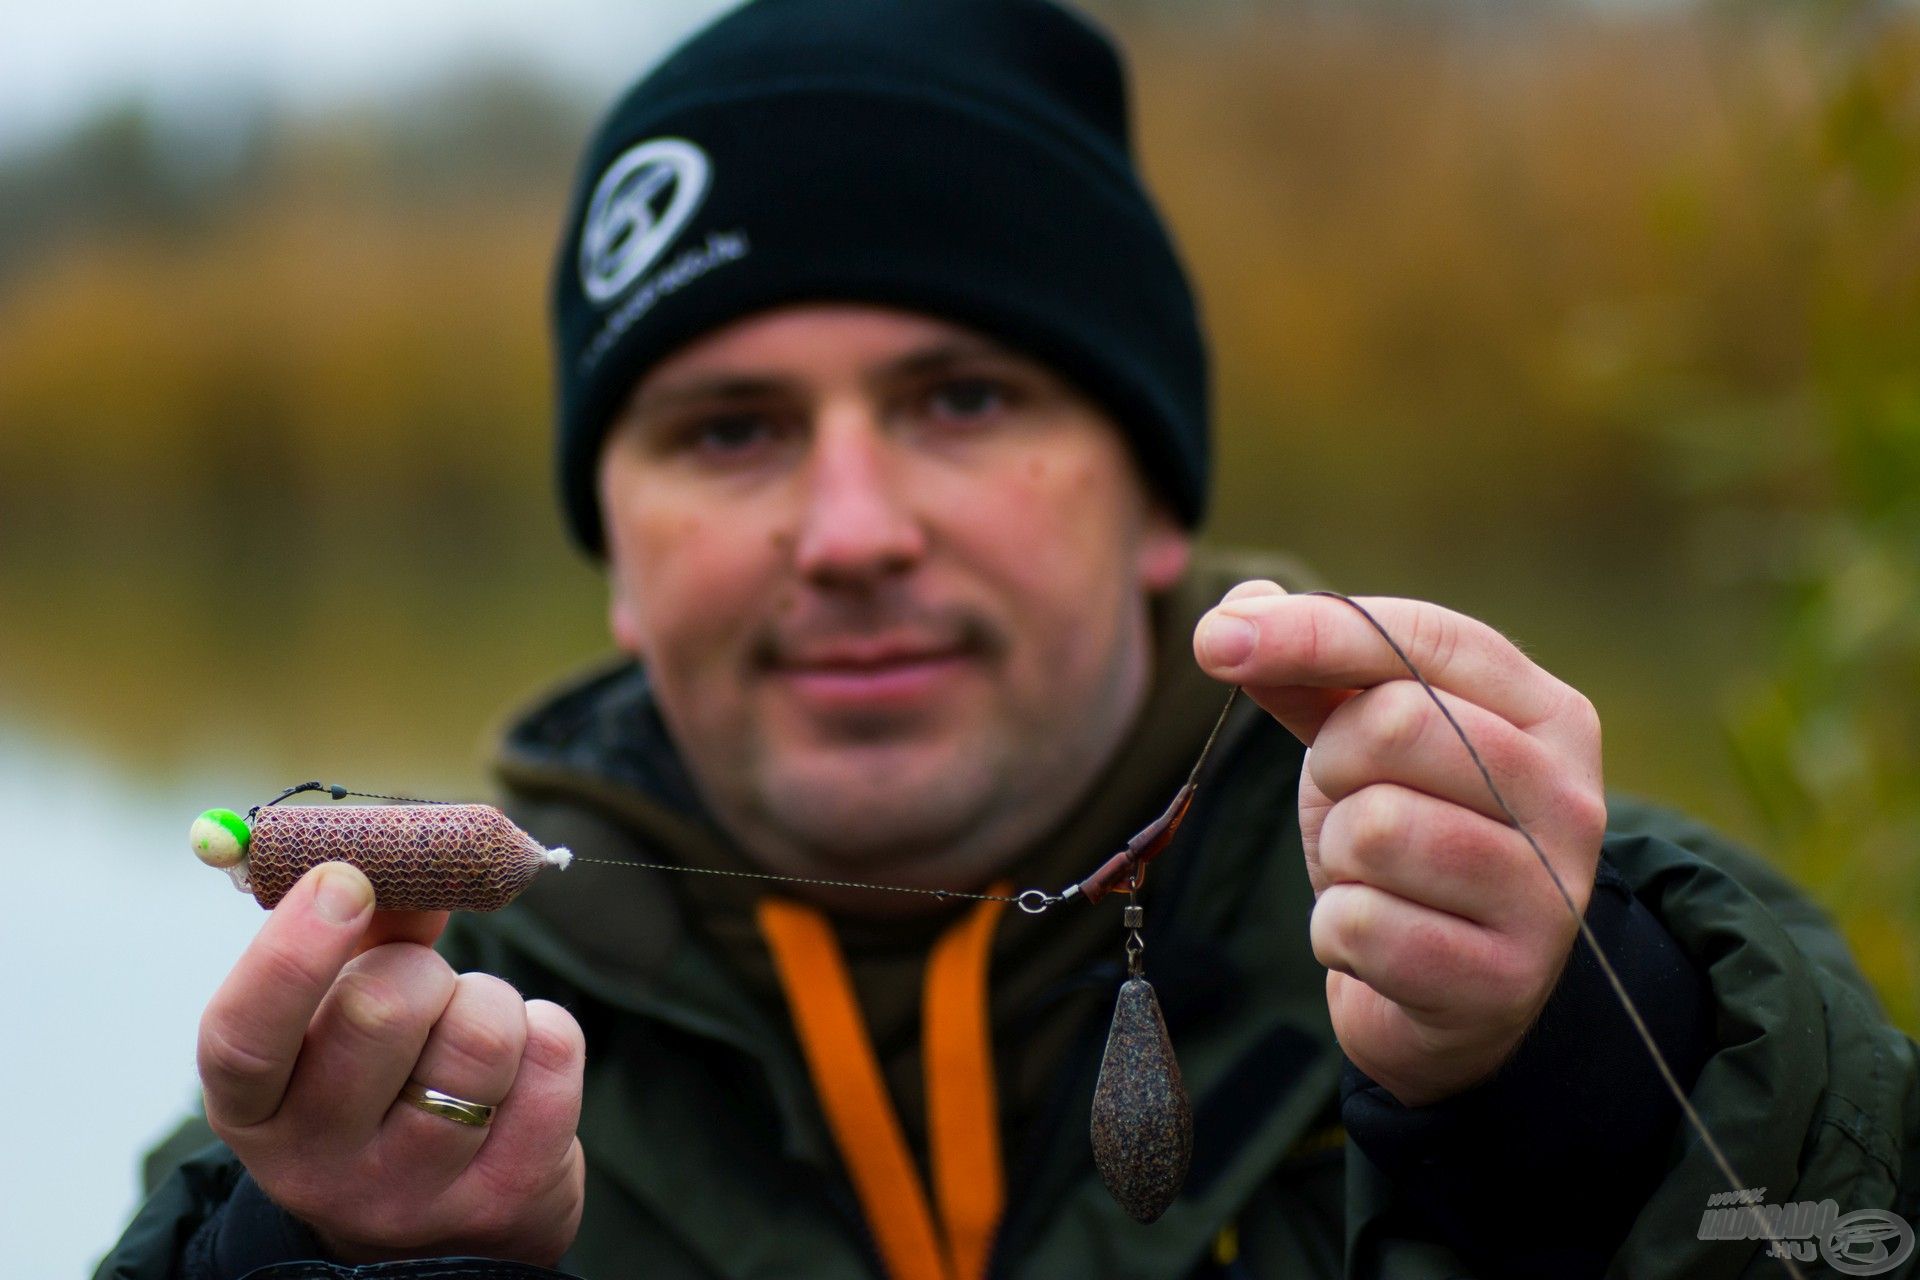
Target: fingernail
[[341, 894], [1254, 587], [1228, 640]]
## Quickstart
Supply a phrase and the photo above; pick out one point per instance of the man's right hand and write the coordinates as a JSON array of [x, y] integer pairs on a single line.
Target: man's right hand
[[306, 1046]]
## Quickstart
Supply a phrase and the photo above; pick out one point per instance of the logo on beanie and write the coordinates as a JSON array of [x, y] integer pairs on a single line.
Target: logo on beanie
[[639, 206]]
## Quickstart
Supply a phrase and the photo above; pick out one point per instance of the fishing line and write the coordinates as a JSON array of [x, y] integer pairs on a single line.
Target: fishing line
[[1032, 901]]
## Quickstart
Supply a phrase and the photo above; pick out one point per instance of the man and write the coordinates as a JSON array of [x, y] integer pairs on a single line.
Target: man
[[884, 400]]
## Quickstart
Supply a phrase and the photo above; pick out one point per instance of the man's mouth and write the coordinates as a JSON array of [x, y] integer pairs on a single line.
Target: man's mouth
[[871, 674]]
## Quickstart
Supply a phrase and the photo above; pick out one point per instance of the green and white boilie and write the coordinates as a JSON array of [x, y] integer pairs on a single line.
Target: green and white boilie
[[418, 857], [220, 838]]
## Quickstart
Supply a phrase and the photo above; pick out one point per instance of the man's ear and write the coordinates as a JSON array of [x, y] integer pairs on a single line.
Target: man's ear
[[623, 615], [1166, 549], [623, 610]]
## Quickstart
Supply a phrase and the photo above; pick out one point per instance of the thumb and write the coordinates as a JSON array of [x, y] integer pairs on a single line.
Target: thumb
[[1301, 708]]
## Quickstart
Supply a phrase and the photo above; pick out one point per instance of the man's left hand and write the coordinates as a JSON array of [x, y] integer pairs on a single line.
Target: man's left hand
[[1442, 935]]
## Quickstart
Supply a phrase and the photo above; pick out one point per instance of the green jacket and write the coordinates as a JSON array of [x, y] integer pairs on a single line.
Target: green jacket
[[708, 1156]]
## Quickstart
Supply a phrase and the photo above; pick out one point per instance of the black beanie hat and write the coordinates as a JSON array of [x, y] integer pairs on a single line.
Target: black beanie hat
[[962, 158]]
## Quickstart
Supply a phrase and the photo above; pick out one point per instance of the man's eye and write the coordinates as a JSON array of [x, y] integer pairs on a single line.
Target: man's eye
[[728, 435], [965, 399]]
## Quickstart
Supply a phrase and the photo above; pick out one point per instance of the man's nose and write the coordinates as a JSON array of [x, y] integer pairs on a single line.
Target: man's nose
[[856, 524]]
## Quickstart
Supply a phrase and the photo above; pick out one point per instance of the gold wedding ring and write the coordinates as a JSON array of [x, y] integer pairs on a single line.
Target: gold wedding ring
[[435, 1103]]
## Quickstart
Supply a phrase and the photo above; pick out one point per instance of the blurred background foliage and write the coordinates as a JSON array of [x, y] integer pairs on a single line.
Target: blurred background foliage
[[1602, 323]]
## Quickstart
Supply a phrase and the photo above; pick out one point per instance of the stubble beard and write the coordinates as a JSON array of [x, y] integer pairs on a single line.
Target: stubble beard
[[949, 821]]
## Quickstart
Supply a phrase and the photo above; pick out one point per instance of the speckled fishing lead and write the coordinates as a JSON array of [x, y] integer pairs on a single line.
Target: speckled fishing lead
[[1142, 1123]]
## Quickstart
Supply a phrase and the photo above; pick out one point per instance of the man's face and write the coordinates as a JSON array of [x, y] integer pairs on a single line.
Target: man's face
[[889, 579]]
